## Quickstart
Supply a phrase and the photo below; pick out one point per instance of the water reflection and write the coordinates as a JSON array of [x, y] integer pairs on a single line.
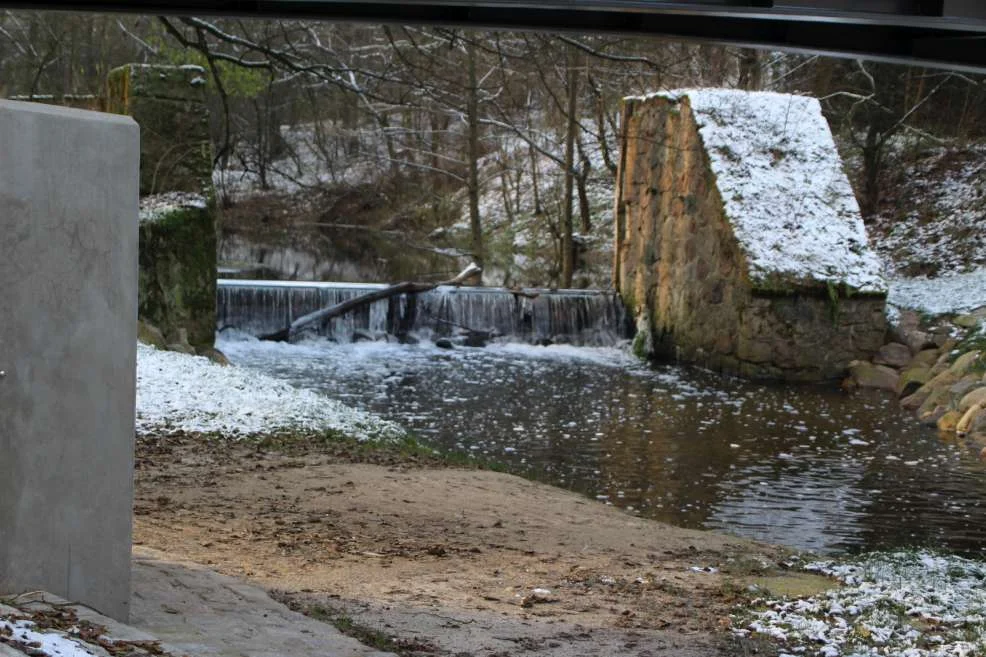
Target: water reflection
[[805, 466]]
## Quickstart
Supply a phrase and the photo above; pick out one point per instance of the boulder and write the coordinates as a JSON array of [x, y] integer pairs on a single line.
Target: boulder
[[216, 356], [938, 399], [973, 420], [907, 322], [894, 354], [964, 363], [949, 421], [444, 343], [927, 358], [362, 335], [150, 334], [959, 389], [975, 396], [940, 335], [938, 383], [930, 417], [920, 340], [476, 339], [182, 348], [966, 321], [911, 402], [868, 375], [912, 379]]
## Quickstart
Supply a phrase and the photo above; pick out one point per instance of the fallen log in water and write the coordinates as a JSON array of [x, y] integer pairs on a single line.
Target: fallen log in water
[[339, 309]]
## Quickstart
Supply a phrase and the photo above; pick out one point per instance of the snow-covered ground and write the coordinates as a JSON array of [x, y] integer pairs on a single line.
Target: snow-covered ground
[[948, 294], [932, 221], [43, 642], [156, 206], [181, 393], [787, 197], [908, 604]]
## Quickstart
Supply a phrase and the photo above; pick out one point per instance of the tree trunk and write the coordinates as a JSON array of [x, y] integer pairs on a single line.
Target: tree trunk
[[750, 70], [472, 112], [872, 163], [567, 243]]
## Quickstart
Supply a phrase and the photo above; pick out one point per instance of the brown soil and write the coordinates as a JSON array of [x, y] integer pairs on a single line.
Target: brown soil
[[450, 561]]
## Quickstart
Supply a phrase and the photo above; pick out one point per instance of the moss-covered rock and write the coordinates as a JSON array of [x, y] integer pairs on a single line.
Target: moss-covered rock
[[178, 274], [949, 421], [151, 335], [926, 358], [965, 363], [912, 379], [975, 396], [867, 375], [973, 420]]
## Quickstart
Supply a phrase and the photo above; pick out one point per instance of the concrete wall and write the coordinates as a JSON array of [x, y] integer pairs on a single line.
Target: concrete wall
[[68, 310]]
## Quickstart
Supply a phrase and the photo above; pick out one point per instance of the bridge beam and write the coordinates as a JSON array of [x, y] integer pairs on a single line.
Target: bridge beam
[[938, 33]]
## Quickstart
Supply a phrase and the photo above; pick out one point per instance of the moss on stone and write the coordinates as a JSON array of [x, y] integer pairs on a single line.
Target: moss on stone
[[178, 274]]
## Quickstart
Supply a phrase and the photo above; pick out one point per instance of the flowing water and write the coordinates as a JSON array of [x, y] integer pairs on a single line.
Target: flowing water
[[806, 466]]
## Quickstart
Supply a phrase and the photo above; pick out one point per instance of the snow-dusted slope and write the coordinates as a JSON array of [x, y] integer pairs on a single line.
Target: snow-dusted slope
[[785, 193], [933, 218]]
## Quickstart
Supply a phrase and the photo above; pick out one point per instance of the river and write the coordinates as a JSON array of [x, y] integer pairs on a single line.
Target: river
[[806, 466]]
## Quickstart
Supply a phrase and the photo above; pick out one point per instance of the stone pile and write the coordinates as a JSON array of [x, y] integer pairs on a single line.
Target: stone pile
[[937, 371]]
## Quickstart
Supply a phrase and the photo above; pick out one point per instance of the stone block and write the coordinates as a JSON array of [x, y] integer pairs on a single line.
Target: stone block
[[168, 102], [68, 337], [893, 354]]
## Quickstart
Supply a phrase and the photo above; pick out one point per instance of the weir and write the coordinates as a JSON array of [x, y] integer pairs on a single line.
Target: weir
[[581, 317]]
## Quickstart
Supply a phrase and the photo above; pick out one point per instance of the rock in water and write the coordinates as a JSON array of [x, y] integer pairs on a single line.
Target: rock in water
[[977, 396], [868, 375], [912, 379]]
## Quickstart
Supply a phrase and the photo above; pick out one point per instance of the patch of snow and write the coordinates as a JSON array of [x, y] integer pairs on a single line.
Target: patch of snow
[[158, 206], [51, 644], [949, 294], [909, 603], [783, 187], [181, 393]]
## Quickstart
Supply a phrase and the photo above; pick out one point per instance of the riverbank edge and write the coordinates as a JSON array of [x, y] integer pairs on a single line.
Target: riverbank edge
[[935, 365], [758, 569]]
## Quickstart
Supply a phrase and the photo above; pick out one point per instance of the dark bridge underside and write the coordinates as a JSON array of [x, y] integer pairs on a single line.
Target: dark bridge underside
[[941, 33]]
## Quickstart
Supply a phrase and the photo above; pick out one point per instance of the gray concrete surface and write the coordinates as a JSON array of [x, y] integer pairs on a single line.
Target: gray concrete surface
[[68, 309], [195, 611]]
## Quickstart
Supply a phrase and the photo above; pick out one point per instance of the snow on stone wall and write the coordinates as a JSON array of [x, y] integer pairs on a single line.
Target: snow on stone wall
[[783, 187]]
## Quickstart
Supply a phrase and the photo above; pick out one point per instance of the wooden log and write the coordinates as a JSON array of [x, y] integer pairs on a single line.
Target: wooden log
[[349, 305]]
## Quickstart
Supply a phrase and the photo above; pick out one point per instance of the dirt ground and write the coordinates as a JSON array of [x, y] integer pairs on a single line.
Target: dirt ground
[[426, 559]]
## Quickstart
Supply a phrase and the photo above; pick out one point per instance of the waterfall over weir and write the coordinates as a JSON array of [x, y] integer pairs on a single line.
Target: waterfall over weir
[[583, 317]]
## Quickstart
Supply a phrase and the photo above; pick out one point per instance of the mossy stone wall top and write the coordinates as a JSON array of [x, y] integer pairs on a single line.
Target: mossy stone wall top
[[169, 104]]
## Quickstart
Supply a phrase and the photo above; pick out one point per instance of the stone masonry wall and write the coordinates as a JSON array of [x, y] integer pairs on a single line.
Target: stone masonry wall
[[683, 275], [169, 104]]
